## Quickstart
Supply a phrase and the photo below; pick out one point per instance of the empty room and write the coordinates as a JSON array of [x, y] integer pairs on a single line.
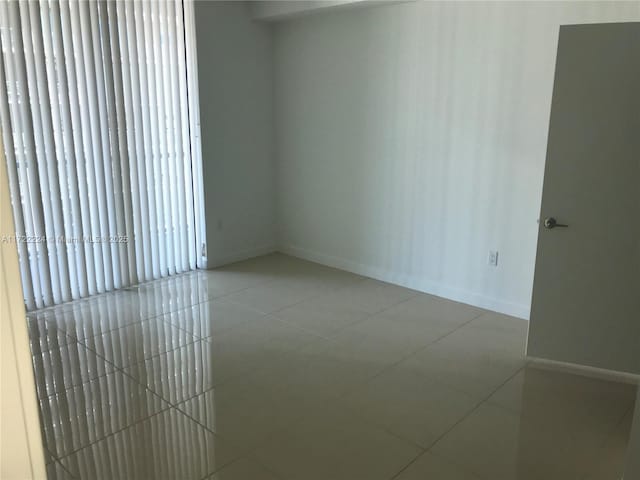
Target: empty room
[[319, 240]]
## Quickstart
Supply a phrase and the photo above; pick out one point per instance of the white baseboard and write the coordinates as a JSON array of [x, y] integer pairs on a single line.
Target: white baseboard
[[584, 370], [240, 255], [411, 281]]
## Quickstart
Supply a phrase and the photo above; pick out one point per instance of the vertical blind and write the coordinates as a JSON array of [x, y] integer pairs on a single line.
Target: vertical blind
[[100, 121]]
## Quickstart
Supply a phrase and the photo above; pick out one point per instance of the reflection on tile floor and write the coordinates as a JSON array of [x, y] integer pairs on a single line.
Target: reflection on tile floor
[[276, 368]]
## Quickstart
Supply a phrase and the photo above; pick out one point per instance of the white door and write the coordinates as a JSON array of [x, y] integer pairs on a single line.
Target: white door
[[586, 295]]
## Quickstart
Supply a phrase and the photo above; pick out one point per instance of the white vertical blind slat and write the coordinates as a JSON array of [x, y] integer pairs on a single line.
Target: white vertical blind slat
[[98, 157], [104, 165], [173, 248], [98, 117], [151, 226], [73, 125], [162, 183], [109, 137], [121, 97], [56, 247], [25, 150], [73, 153], [77, 38], [156, 163], [16, 193], [8, 36], [197, 193], [70, 285], [179, 201], [186, 120], [41, 159], [126, 37]]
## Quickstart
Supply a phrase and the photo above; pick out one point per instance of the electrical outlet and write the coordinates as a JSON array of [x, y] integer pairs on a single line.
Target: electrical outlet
[[493, 258]]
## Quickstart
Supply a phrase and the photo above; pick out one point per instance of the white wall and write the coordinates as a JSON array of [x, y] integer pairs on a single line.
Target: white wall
[[411, 140], [21, 451], [236, 116]]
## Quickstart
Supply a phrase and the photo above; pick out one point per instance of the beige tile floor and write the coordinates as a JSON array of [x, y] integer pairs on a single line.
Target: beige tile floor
[[277, 368]]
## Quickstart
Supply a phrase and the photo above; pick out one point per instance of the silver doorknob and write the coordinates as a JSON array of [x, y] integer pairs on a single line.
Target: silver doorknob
[[551, 222]]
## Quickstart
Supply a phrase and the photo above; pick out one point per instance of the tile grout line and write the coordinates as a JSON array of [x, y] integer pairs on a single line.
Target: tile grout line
[[66, 470], [209, 299], [384, 369], [460, 420], [120, 430], [213, 387], [197, 338], [116, 367], [71, 308], [418, 350], [368, 316], [169, 312], [273, 312], [391, 366]]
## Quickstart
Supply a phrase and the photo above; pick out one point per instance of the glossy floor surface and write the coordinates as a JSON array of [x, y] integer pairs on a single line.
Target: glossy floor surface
[[276, 368]]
